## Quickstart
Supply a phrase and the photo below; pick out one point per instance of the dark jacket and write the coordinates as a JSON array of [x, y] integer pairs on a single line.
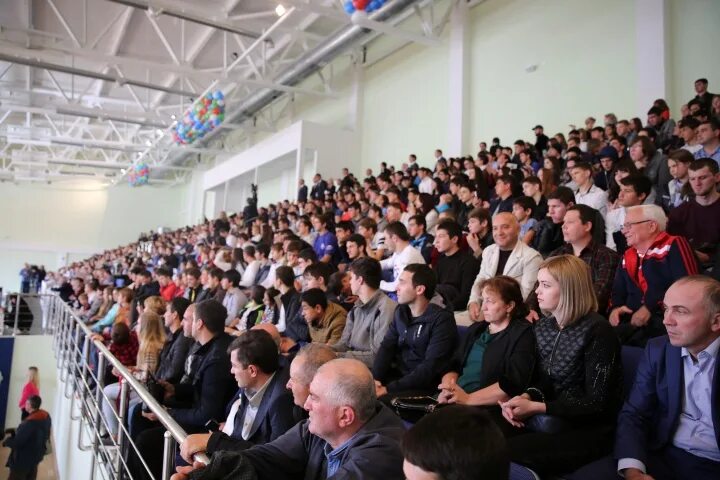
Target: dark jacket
[[208, 294], [295, 325], [579, 375], [648, 420], [274, 417], [509, 359], [416, 352], [456, 274], [541, 209], [497, 205], [317, 192], [28, 443], [172, 357], [463, 210], [210, 387], [302, 194], [548, 237], [372, 453], [143, 292], [193, 294]]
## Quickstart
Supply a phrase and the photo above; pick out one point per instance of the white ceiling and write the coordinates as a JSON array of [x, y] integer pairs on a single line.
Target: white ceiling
[[56, 126]]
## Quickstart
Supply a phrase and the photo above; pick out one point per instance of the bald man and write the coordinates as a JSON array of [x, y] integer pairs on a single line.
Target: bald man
[[287, 346], [348, 434], [507, 256], [303, 368]]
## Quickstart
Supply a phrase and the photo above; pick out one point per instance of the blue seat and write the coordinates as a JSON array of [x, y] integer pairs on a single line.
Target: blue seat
[[518, 472], [630, 359]]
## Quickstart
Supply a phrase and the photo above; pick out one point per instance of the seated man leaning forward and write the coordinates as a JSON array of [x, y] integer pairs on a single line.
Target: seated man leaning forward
[[348, 435], [419, 344], [262, 408]]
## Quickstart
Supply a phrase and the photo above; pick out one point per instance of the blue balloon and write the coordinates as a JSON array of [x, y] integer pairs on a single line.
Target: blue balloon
[[349, 7]]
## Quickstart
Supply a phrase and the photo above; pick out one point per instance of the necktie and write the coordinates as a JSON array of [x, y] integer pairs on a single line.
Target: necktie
[[240, 417]]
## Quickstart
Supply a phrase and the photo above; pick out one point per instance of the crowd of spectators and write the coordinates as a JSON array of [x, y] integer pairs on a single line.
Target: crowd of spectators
[[561, 252]]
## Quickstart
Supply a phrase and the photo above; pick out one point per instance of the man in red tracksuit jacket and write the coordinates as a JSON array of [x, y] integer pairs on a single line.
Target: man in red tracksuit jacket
[[652, 262]]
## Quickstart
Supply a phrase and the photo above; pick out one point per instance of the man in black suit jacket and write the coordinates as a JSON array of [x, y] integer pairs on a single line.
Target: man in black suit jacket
[[262, 409], [196, 399], [318, 189], [669, 427], [302, 191]]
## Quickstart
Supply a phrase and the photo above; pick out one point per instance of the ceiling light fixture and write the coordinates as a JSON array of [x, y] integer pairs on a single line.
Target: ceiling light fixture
[[280, 10]]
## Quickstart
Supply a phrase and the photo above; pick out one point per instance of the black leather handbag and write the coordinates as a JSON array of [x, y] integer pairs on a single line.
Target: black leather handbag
[[543, 423], [413, 409]]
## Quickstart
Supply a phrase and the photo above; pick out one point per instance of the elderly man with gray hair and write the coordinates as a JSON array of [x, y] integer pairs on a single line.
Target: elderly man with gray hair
[[651, 263], [348, 435]]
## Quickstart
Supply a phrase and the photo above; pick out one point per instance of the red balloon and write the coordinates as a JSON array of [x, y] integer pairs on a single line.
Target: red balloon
[[360, 4]]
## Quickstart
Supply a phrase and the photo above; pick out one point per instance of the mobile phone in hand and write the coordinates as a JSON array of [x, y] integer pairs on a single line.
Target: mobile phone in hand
[[212, 425]]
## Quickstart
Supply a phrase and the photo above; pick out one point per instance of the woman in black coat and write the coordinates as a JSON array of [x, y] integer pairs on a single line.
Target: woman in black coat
[[567, 417], [496, 359]]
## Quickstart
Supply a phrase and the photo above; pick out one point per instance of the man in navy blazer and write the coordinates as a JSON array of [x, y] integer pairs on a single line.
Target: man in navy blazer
[[261, 410], [669, 427]]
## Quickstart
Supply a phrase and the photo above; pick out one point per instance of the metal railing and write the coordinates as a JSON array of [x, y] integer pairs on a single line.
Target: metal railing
[[16, 307], [84, 386]]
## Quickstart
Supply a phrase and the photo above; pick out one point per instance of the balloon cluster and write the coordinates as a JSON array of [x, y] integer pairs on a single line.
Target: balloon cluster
[[138, 174], [367, 6], [202, 117]]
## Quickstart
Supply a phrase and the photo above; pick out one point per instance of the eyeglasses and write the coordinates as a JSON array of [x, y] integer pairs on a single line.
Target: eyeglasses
[[626, 226]]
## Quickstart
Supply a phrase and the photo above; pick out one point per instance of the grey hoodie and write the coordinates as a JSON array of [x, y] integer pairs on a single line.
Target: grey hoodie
[[365, 328]]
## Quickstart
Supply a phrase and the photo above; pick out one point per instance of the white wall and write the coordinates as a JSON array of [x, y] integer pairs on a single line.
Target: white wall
[[32, 351], [42, 224], [694, 37], [584, 53]]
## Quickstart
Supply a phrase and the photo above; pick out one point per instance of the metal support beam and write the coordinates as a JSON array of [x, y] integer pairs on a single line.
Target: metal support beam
[[64, 23], [57, 86], [90, 74], [260, 39], [163, 39], [169, 8]]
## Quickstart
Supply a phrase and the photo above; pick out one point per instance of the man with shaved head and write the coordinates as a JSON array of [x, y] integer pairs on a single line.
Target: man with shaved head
[[507, 256], [286, 345], [349, 434]]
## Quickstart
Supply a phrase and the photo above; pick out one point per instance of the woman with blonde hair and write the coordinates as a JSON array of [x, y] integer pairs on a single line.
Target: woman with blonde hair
[[31, 388], [567, 417], [151, 336], [150, 331], [154, 304]]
